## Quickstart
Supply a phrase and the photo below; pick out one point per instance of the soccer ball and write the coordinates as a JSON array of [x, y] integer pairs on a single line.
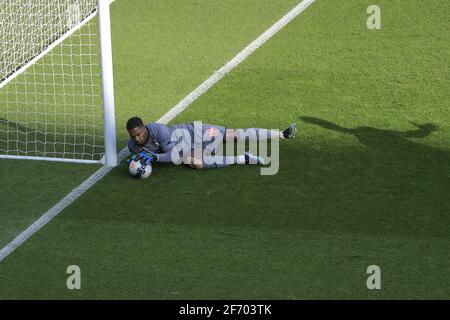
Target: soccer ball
[[139, 170]]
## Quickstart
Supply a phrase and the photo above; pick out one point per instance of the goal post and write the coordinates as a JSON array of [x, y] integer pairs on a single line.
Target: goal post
[[107, 83], [56, 81]]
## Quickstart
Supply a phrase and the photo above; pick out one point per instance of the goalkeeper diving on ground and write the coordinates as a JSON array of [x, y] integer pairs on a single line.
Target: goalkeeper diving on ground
[[195, 144]]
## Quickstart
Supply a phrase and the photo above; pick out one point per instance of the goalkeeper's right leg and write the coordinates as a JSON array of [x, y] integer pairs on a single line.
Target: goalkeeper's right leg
[[259, 134]]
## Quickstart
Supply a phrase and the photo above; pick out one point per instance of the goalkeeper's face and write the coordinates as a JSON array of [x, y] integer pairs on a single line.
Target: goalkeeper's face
[[139, 134]]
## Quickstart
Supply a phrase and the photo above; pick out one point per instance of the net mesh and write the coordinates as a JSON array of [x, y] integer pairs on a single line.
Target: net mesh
[[50, 99]]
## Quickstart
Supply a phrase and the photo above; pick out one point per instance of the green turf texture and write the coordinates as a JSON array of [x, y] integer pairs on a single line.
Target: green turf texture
[[365, 182]]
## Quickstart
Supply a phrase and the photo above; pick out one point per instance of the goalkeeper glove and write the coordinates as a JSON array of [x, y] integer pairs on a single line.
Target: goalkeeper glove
[[148, 157], [133, 157]]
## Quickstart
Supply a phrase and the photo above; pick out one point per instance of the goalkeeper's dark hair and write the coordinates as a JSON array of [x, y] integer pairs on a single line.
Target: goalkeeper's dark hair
[[134, 122]]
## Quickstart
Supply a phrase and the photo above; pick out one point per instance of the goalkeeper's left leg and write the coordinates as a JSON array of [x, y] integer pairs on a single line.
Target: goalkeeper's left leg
[[213, 162]]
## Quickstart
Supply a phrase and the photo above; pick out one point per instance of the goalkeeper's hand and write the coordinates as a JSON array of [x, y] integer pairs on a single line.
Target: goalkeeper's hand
[[148, 157], [133, 157]]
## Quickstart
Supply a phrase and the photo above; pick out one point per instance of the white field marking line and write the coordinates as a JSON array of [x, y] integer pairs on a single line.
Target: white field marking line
[[244, 54], [171, 114]]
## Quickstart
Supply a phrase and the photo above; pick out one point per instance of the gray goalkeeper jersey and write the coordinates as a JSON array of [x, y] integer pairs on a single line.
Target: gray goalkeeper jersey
[[162, 139]]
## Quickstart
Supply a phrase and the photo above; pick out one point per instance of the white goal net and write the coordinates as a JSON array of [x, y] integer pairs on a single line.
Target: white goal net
[[50, 84]]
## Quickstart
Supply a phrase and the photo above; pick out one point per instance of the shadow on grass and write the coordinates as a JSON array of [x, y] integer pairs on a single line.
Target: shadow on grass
[[382, 139], [12, 125], [51, 140], [395, 186]]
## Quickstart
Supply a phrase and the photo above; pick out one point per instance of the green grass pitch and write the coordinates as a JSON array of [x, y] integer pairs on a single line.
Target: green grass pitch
[[365, 182]]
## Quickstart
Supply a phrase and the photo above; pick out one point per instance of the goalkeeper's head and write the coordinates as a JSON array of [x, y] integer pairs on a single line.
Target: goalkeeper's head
[[137, 130]]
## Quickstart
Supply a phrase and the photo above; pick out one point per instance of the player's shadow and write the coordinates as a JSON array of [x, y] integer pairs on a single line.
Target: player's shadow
[[382, 139], [396, 184]]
